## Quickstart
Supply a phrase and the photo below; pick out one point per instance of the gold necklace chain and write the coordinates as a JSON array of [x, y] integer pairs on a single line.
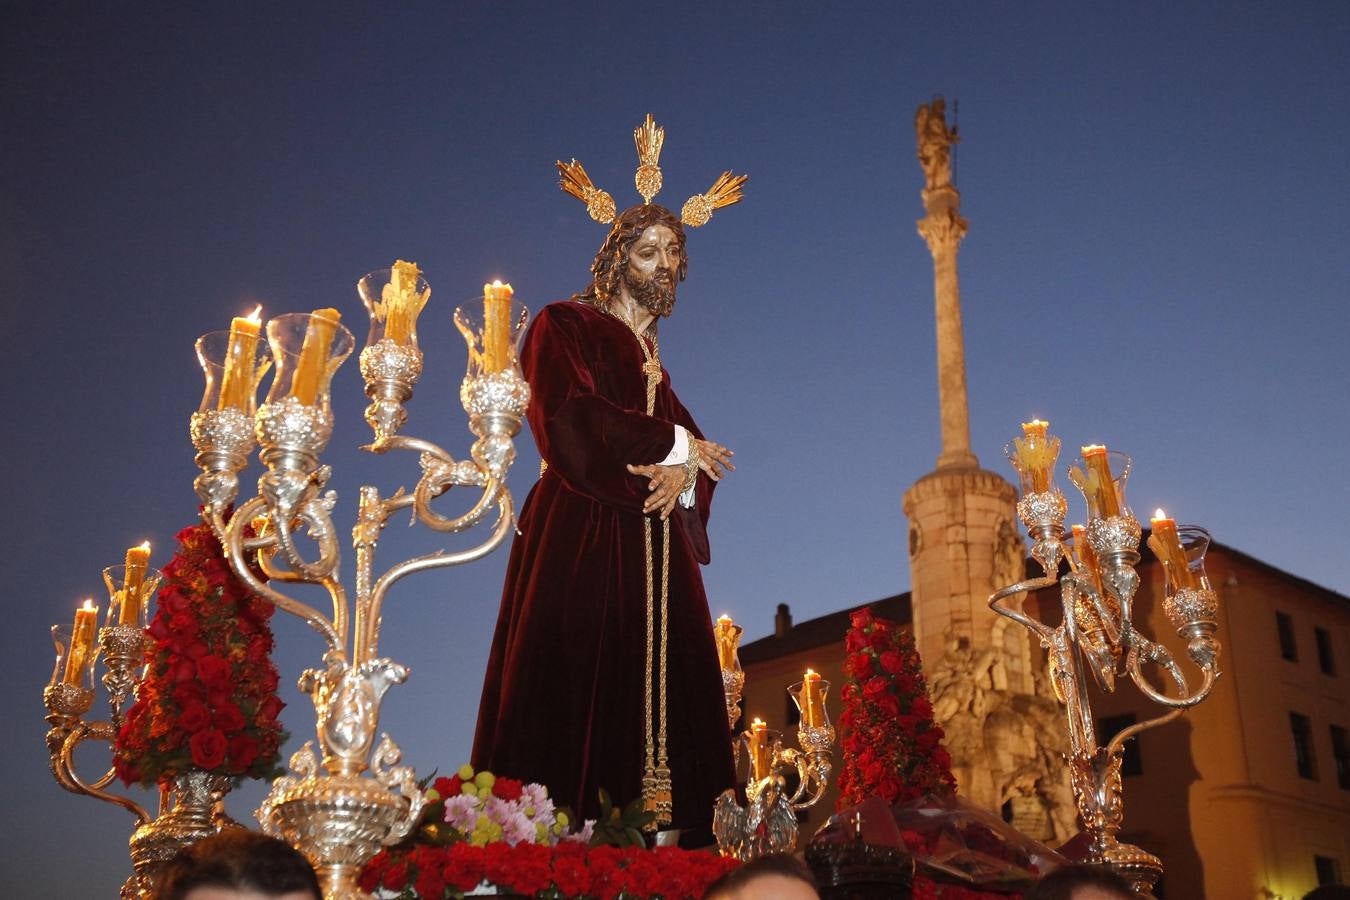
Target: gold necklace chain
[[657, 793]]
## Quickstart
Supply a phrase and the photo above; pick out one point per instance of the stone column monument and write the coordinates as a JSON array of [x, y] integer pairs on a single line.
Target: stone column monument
[[963, 545]]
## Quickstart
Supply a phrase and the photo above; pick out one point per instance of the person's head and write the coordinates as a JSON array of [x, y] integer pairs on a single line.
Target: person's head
[[238, 865], [643, 256], [1081, 882], [777, 876]]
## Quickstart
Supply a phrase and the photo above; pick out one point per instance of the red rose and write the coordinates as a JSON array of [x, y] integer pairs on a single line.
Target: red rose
[[889, 704], [270, 708], [396, 875], [228, 718], [507, 788], [463, 867], [243, 750], [208, 748], [859, 666], [195, 717], [214, 671], [875, 687], [892, 661], [429, 883]]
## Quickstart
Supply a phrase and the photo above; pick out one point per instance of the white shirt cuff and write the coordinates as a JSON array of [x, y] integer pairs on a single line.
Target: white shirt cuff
[[679, 453]]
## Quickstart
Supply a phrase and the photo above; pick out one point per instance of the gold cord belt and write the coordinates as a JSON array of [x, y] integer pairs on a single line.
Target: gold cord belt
[[657, 793]]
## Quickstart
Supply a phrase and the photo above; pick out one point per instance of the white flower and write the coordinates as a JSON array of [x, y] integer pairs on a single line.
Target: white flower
[[535, 795], [517, 829], [461, 812]]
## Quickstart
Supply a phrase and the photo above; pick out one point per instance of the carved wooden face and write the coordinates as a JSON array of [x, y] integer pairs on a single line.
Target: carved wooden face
[[653, 261]]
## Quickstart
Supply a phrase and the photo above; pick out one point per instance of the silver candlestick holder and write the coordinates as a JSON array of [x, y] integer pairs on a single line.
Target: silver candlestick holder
[[351, 796], [1097, 638], [768, 821]]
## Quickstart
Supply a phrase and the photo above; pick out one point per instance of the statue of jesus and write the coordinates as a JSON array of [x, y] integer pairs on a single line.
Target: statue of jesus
[[603, 671]]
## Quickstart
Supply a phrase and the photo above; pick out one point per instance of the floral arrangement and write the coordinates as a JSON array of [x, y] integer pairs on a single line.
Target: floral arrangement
[[480, 808], [566, 869], [208, 700], [892, 747], [480, 829]]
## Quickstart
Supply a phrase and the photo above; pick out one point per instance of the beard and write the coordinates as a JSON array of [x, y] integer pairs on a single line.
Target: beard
[[655, 294]]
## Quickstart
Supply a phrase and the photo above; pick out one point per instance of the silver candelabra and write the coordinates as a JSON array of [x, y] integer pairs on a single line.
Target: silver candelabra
[[351, 797], [1097, 636]]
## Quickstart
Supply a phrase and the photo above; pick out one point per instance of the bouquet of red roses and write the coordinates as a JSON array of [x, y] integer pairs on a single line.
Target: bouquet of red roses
[[208, 700], [892, 747]]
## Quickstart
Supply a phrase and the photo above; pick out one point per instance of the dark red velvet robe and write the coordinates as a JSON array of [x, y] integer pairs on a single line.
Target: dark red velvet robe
[[563, 700]]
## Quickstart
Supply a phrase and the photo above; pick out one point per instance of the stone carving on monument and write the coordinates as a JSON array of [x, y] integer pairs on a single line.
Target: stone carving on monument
[[1004, 735]]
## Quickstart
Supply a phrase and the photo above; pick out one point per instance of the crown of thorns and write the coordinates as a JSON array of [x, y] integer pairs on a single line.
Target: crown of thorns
[[648, 138]]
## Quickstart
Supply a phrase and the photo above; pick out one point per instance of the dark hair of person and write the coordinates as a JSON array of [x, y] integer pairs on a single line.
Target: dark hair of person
[[612, 257], [1061, 883], [240, 859], [781, 864]]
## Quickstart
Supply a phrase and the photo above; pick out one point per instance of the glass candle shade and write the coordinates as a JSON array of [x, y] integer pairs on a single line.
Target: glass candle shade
[[130, 604], [1187, 570], [1100, 475], [761, 744], [307, 349], [493, 329], [809, 695], [728, 637], [76, 650], [1034, 456], [394, 297], [218, 351]]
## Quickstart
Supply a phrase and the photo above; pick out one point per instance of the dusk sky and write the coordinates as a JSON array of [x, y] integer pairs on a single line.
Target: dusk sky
[[1159, 213]]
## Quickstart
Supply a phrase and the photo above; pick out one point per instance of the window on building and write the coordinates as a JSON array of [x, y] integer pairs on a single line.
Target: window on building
[[1288, 646], [1340, 750], [1132, 761], [1301, 730], [1325, 658], [1328, 870]]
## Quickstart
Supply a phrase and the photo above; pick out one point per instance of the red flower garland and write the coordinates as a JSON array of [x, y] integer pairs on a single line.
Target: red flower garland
[[208, 700], [892, 747], [569, 869]]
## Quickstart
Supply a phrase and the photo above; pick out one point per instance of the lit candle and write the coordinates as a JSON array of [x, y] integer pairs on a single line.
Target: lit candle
[[312, 365], [760, 761], [496, 326], [812, 705], [236, 386], [402, 302], [725, 632], [1100, 486], [1034, 453], [81, 642], [1166, 545], [138, 559]]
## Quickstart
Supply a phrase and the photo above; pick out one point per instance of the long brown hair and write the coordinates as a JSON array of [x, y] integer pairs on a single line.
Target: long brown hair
[[612, 257]]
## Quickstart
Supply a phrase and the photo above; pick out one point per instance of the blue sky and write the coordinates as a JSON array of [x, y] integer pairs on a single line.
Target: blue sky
[[1156, 261]]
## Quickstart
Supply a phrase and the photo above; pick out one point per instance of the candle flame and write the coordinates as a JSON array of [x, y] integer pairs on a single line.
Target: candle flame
[[757, 721], [145, 545], [810, 672], [1159, 513], [1092, 449], [256, 316], [724, 618], [89, 605]]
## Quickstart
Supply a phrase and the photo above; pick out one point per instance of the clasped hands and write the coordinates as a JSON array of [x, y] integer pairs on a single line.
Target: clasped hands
[[666, 483]]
